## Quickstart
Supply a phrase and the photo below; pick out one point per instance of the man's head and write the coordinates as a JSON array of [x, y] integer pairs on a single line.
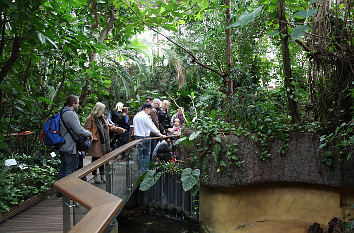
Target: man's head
[[72, 101], [147, 108], [148, 99], [156, 103]]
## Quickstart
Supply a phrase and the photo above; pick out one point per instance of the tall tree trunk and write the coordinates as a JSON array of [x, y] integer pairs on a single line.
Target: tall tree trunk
[[3, 28], [289, 87], [15, 54], [92, 57], [227, 76]]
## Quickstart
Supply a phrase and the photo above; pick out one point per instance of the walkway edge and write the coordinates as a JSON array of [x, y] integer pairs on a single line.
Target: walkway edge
[[26, 204]]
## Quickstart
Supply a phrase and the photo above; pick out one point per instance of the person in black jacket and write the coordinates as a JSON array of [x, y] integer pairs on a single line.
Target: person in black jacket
[[164, 117], [115, 117], [123, 122], [163, 150]]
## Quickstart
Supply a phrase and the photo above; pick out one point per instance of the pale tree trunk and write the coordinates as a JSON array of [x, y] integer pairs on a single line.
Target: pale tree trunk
[[92, 57], [289, 87]]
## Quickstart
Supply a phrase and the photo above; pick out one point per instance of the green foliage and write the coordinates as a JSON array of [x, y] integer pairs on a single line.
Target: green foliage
[[150, 178], [348, 223], [189, 177], [340, 141], [247, 18], [30, 177], [190, 180]]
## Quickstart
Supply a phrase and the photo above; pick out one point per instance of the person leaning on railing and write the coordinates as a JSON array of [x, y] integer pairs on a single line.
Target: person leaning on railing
[[69, 157], [143, 126], [97, 123]]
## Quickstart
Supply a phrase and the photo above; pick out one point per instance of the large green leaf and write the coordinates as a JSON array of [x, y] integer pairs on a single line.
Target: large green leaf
[[150, 179], [247, 18], [41, 37], [190, 178], [194, 136], [298, 31], [305, 13]]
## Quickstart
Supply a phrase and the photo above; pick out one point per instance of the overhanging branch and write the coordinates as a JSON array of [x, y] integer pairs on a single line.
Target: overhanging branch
[[195, 59]]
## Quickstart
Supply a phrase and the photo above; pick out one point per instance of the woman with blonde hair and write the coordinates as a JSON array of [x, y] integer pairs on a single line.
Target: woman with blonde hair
[[115, 118], [97, 123], [164, 117]]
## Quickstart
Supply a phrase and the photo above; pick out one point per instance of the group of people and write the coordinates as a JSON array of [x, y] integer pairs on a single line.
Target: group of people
[[109, 132], [153, 120]]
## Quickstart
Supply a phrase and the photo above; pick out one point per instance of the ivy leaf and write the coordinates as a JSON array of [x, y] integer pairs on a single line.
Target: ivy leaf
[[53, 43], [351, 140], [273, 33], [41, 37], [305, 13], [42, 99], [321, 146], [150, 179], [180, 140], [217, 138], [298, 31], [194, 135], [222, 163], [190, 178], [162, 10], [247, 18], [204, 3]]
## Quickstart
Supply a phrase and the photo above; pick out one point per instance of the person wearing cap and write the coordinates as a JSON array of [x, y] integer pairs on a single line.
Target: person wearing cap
[[148, 100], [143, 126]]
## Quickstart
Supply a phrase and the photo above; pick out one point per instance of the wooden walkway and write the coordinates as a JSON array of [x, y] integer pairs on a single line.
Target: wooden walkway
[[46, 216]]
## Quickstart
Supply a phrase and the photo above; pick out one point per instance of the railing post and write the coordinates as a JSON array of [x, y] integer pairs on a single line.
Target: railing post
[[66, 214], [109, 176]]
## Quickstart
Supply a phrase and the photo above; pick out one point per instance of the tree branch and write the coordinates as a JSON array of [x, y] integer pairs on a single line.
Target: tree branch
[[195, 59], [92, 57], [3, 28], [57, 94], [95, 25], [14, 56]]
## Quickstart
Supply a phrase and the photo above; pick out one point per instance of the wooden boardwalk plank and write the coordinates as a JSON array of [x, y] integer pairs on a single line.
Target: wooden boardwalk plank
[[46, 216]]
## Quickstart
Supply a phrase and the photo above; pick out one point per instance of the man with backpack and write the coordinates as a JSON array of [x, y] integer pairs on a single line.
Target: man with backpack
[[69, 156]]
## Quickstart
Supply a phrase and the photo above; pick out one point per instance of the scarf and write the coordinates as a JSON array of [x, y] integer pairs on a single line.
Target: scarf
[[103, 132]]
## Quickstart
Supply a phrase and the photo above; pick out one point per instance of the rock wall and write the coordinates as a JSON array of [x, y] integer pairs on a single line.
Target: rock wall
[[301, 164]]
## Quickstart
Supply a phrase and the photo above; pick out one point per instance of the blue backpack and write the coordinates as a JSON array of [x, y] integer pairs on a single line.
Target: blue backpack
[[51, 131]]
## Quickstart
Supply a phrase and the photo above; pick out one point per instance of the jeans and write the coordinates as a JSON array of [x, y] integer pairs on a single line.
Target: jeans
[[153, 145], [143, 155], [68, 164], [125, 137]]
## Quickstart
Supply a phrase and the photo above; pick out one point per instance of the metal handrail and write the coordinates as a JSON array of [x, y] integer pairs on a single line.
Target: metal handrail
[[102, 210]]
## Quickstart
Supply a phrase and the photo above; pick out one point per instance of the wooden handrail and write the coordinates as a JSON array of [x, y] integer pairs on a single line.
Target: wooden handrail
[[102, 205]]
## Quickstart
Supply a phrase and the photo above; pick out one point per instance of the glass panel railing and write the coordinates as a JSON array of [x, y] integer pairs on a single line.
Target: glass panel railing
[[120, 178]]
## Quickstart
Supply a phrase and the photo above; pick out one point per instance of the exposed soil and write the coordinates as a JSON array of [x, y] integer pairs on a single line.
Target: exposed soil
[[143, 221]]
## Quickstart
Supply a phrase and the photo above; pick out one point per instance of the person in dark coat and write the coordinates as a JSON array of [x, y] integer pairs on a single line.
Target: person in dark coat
[[164, 117]]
